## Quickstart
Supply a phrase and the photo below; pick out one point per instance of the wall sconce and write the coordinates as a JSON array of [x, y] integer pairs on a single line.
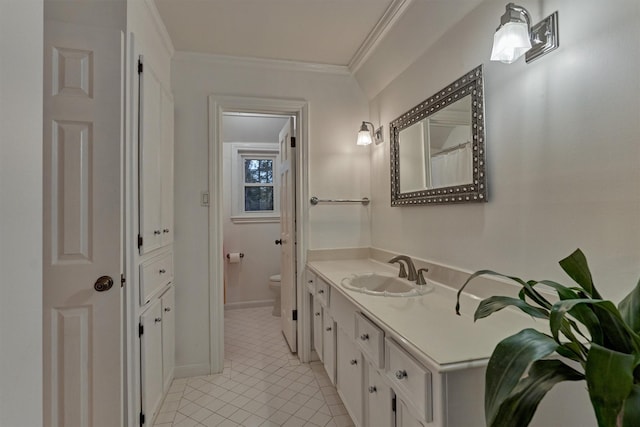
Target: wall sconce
[[368, 135], [515, 36]]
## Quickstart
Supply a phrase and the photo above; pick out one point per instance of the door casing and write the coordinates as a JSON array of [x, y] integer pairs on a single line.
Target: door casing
[[218, 105]]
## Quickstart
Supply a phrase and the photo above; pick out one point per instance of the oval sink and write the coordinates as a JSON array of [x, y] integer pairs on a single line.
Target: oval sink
[[382, 285]]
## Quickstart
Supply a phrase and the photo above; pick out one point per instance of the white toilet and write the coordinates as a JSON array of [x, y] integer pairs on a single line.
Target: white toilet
[[274, 284]]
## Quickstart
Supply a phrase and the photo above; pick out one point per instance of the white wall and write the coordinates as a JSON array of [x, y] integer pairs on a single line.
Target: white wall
[[21, 74], [247, 282], [337, 169], [562, 146]]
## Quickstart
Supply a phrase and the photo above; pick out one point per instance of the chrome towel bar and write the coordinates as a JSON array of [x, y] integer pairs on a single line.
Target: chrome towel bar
[[314, 201]]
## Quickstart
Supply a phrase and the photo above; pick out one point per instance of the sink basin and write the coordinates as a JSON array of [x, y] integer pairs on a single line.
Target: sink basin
[[383, 285]]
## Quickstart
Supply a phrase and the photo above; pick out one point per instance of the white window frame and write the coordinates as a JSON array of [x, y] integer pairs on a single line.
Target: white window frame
[[239, 152]]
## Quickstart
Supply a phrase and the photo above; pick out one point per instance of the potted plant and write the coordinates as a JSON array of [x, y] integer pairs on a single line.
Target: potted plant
[[589, 339]]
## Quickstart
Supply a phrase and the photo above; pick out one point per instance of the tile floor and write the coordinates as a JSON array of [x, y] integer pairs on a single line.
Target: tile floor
[[262, 384]]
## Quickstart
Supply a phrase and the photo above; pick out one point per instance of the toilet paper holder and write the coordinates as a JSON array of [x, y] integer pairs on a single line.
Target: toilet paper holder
[[241, 255]]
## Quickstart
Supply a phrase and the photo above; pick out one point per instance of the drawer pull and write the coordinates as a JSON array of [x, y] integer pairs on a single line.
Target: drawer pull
[[167, 309], [156, 232], [321, 291], [354, 361], [318, 314], [158, 319], [162, 271], [401, 374], [372, 389], [328, 328], [364, 337], [166, 230]]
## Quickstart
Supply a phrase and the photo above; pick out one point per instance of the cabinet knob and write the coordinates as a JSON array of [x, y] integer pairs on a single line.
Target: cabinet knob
[[364, 337], [156, 232], [401, 374], [279, 242], [372, 389], [328, 328], [166, 230], [167, 309], [158, 319], [162, 271], [318, 314], [354, 361], [321, 291]]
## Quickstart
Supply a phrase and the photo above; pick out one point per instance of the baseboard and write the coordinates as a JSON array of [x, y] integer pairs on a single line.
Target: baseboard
[[191, 370], [248, 304]]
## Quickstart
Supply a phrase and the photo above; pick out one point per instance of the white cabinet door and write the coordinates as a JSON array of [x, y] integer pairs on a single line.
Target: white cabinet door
[[151, 359], [349, 376], [329, 346], [166, 165], [404, 418], [317, 328], [378, 401], [168, 336], [150, 144], [156, 162]]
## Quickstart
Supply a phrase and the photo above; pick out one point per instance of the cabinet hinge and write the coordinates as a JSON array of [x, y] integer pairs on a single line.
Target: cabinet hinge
[[139, 67], [293, 142], [123, 280], [141, 418], [393, 404], [294, 314], [140, 329], [139, 241]]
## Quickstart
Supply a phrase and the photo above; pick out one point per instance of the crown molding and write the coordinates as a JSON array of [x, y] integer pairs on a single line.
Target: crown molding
[[276, 64], [160, 27], [395, 10]]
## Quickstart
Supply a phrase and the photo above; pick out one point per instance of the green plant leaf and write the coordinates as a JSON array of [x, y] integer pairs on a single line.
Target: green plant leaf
[[518, 409], [511, 357], [490, 305], [630, 309], [610, 380], [631, 415], [609, 330], [528, 289], [575, 265]]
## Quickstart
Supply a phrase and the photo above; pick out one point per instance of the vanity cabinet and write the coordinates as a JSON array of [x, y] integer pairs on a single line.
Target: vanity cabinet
[[378, 401], [157, 350], [349, 381], [317, 328], [156, 164], [329, 346]]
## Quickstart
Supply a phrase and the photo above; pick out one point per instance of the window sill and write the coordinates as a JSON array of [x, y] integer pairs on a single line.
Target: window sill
[[254, 219]]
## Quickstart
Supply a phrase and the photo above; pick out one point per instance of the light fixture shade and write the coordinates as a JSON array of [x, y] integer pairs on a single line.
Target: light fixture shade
[[510, 42], [364, 135]]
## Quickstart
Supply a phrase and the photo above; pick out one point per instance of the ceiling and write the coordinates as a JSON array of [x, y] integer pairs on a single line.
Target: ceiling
[[328, 32]]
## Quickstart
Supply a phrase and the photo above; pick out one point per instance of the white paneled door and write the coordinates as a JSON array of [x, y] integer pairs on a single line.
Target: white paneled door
[[82, 256], [288, 303]]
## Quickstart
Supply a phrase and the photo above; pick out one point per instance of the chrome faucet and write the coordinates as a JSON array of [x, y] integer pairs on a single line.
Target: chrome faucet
[[413, 275]]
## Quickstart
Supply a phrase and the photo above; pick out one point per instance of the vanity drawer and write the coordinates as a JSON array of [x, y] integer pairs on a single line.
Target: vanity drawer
[[370, 339], [410, 379], [154, 274], [322, 292], [311, 281]]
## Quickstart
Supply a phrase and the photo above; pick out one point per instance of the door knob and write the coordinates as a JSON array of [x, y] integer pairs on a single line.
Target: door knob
[[104, 283], [279, 242]]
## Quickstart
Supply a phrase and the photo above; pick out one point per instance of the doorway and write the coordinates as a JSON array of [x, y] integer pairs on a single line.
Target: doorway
[[219, 106]]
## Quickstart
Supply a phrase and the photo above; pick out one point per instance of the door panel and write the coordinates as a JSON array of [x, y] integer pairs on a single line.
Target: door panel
[[82, 219], [287, 235]]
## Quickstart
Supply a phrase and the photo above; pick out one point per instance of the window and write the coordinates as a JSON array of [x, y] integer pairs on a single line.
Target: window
[[255, 183], [258, 184]]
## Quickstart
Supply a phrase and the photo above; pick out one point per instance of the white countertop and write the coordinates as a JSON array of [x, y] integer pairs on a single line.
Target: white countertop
[[428, 323]]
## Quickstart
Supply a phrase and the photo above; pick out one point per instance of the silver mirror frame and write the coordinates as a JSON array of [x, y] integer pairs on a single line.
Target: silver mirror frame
[[471, 83]]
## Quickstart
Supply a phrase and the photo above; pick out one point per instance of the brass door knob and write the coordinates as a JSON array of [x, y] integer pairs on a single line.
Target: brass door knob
[[103, 284]]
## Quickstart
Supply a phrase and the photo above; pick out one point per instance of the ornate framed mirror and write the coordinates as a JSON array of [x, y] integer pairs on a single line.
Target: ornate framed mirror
[[438, 147]]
